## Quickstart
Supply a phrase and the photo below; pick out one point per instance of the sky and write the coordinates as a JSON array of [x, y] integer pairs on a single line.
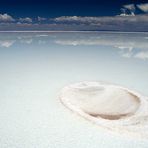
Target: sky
[[55, 8], [74, 15]]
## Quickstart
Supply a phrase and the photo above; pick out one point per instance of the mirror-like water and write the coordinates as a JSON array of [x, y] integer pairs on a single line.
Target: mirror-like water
[[35, 66]]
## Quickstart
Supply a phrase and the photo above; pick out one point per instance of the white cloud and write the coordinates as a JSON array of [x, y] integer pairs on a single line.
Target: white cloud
[[124, 13], [77, 19], [80, 19], [128, 45], [26, 41], [41, 19], [127, 55], [6, 18], [6, 43], [26, 19], [77, 42], [113, 41], [143, 7], [131, 8], [126, 51], [121, 23], [142, 55]]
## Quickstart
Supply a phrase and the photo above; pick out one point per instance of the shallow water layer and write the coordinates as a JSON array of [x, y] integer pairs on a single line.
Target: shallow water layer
[[34, 67]]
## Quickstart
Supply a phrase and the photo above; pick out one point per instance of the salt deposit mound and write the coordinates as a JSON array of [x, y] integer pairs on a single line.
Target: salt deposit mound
[[109, 106]]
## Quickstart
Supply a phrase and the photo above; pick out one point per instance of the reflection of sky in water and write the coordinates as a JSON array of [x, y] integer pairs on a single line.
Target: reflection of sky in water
[[35, 66]]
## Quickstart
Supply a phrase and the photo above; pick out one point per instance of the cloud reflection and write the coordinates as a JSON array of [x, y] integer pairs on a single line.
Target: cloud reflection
[[6, 43], [129, 45], [142, 55]]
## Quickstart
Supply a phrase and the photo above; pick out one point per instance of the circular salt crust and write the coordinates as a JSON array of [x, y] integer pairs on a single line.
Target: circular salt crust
[[110, 106]]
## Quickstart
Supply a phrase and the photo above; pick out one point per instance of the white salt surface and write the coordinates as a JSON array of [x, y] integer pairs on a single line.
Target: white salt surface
[[33, 70], [109, 106]]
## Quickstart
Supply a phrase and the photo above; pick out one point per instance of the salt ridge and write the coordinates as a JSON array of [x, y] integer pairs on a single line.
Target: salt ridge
[[110, 106]]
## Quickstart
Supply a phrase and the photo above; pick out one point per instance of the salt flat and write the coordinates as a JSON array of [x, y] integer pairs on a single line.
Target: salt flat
[[34, 67], [109, 106]]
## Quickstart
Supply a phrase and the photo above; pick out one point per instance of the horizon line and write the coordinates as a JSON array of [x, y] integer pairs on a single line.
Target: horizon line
[[60, 31]]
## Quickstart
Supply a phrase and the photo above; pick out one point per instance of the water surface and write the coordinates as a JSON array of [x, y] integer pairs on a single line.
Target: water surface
[[34, 67]]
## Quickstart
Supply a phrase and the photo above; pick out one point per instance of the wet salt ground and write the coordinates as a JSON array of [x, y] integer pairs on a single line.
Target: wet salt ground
[[34, 67]]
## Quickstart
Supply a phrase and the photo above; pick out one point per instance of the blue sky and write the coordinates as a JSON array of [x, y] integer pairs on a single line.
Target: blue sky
[[55, 8], [119, 15]]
